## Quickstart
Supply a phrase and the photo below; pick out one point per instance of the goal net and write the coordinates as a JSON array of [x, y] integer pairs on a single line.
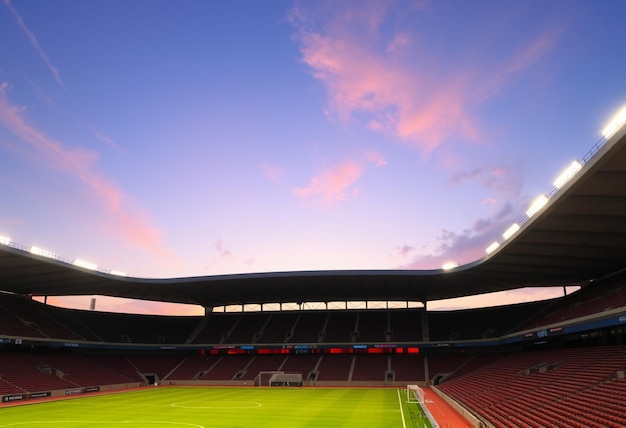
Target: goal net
[[278, 378], [263, 378], [286, 379], [414, 394]]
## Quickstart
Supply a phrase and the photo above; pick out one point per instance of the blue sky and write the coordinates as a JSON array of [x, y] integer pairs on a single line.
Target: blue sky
[[184, 138]]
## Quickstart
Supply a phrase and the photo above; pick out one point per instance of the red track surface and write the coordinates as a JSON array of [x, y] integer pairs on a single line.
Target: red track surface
[[443, 413]]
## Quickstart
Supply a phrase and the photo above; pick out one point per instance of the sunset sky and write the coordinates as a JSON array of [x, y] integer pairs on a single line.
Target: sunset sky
[[184, 138]]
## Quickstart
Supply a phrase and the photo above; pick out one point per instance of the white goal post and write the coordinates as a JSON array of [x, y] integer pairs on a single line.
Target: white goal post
[[278, 378], [286, 379], [263, 378], [414, 394]]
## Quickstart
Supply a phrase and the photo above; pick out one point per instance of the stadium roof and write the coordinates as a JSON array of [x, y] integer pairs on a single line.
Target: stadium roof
[[579, 236]]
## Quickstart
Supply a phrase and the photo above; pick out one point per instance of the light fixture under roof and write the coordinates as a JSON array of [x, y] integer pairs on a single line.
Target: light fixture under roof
[[567, 174], [449, 265], [615, 124], [537, 205], [511, 231], [85, 264], [5, 240], [41, 252], [493, 247], [117, 273]]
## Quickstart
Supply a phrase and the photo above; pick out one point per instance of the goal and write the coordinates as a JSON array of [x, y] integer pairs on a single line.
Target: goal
[[278, 378], [286, 379], [263, 378], [414, 394]]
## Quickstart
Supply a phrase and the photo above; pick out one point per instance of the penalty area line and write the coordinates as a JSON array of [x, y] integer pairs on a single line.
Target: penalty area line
[[401, 409]]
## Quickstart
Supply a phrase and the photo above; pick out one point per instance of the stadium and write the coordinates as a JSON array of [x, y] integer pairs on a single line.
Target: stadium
[[560, 362]]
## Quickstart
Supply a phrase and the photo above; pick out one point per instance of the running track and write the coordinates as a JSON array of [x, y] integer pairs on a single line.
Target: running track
[[443, 413]]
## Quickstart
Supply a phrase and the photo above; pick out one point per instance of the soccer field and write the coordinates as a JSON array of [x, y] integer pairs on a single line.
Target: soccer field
[[224, 407]]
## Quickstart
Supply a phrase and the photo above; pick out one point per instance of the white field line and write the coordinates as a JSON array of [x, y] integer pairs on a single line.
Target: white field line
[[401, 410]]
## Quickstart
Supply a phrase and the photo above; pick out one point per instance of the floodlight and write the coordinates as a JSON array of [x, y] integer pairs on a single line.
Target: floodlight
[[118, 273], [511, 231], [537, 204], [5, 240], [85, 264], [615, 124], [567, 174], [493, 247], [449, 265], [41, 252]]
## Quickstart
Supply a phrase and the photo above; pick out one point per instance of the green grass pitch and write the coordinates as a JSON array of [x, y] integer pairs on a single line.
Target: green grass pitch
[[198, 407]]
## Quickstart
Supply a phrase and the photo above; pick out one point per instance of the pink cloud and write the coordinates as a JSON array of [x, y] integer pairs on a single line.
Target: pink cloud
[[33, 41], [422, 104], [133, 225], [339, 63], [338, 182], [332, 184], [410, 104]]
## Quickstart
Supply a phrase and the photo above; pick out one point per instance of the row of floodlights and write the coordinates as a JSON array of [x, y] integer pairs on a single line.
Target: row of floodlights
[[4, 240], [536, 206], [616, 123]]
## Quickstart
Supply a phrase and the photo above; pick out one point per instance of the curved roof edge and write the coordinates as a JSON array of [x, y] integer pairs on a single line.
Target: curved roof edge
[[579, 236]]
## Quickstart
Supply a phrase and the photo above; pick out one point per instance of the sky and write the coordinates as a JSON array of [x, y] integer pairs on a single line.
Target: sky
[[166, 138]]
